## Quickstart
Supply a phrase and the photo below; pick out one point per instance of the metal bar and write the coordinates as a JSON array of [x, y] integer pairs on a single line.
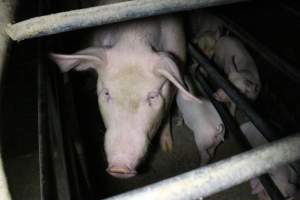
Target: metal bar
[[7, 10], [233, 93], [265, 52], [95, 16], [71, 128], [4, 192], [232, 126], [43, 136], [221, 175]]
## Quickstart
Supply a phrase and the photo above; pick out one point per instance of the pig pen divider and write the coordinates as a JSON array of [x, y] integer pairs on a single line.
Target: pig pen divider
[[221, 175], [233, 127], [100, 15]]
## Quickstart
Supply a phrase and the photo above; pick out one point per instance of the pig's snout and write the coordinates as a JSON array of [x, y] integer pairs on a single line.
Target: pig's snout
[[121, 171]]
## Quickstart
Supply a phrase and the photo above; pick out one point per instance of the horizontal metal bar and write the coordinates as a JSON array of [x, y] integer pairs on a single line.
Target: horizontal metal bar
[[95, 16], [221, 175], [236, 97]]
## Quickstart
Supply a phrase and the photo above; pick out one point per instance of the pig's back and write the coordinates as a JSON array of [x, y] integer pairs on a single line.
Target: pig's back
[[158, 33]]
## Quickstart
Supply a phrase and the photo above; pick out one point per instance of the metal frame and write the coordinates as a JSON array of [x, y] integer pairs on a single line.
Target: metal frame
[[105, 14]]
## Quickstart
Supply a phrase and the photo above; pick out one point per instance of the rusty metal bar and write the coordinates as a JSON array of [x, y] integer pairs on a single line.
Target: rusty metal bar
[[95, 16], [221, 175], [7, 9]]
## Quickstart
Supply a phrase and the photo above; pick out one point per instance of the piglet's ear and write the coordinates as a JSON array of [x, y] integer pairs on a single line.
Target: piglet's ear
[[89, 58], [168, 69]]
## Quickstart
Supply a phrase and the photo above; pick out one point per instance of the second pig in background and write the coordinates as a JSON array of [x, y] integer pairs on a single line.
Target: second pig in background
[[239, 67], [208, 32]]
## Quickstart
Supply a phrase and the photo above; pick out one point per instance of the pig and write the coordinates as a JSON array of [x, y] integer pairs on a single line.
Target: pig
[[284, 177], [139, 66], [206, 29], [204, 121], [239, 67]]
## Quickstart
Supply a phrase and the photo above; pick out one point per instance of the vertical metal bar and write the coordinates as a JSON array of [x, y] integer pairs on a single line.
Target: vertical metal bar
[[43, 137], [4, 191], [57, 145], [7, 10], [75, 148]]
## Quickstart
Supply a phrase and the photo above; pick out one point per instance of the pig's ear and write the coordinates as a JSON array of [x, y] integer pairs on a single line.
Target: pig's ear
[[168, 69], [89, 58]]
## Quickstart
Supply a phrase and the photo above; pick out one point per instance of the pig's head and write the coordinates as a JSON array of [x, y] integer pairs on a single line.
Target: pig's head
[[207, 43], [208, 40], [243, 80], [134, 92]]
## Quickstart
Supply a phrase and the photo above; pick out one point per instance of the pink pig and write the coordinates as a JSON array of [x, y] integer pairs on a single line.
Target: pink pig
[[239, 67], [138, 64]]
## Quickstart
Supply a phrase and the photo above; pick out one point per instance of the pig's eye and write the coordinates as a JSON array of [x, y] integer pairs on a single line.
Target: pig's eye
[[152, 97], [105, 94]]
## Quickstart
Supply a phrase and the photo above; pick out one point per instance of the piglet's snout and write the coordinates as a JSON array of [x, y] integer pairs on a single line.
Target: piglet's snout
[[121, 171]]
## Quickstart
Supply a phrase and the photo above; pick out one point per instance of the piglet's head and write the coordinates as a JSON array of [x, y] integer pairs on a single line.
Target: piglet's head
[[243, 80], [134, 93]]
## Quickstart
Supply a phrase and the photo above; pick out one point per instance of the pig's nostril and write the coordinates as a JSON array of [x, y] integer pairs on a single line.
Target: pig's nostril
[[121, 172]]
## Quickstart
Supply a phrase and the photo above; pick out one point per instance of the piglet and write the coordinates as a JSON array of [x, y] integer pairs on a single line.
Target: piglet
[[284, 177], [205, 122], [239, 67]]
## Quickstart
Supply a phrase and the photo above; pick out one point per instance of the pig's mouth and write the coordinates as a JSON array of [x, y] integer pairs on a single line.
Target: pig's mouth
[[121, 172]]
